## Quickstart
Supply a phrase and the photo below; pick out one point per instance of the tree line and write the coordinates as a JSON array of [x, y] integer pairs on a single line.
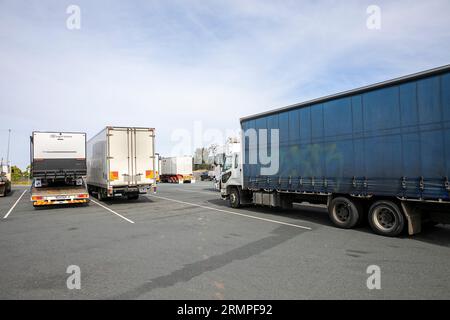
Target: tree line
[[18, 175]]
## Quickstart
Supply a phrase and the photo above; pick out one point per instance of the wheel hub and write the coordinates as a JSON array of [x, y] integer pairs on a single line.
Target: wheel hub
[[385, 218], [342, 212]]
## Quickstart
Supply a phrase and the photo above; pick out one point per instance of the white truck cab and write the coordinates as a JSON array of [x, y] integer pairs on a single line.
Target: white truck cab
[[231, 181]]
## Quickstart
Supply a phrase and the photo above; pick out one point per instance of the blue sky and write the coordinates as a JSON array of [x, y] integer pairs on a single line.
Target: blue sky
[[168, 64]]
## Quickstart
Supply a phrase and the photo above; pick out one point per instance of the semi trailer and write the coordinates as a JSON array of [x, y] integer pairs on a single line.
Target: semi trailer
[[177, 170], [121, 162], [58, 168], [380, 153]]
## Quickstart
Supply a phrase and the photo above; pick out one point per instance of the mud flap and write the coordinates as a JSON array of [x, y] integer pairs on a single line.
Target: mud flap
[[414, 217], [329, 198]]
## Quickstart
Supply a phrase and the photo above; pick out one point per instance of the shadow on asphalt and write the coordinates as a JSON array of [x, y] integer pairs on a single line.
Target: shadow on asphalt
[[13, 192], [189, 271], [10, 194], [438, 235], [300, 212], [125, 201], [210, 189], [60, 206]]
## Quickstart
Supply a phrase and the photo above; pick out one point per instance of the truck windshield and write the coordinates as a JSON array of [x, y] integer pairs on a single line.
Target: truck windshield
[[228, 163]]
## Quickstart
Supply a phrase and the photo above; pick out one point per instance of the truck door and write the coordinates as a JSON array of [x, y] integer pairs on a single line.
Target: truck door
[[119, 152], [144, 161], [236, 172]]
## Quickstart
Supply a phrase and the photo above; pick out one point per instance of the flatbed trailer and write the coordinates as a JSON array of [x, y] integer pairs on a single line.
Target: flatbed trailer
[[58, 168], [59, 195]]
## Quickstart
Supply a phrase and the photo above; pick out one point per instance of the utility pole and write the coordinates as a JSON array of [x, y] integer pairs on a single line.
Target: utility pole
[[7, 152]]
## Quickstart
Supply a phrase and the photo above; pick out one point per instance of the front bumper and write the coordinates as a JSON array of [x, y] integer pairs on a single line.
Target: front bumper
[[224, 194]]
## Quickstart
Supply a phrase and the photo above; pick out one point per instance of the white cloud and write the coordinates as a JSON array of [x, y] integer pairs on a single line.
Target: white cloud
[[167, 65]]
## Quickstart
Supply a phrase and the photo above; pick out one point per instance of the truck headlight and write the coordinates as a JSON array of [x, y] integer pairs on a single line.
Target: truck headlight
[[226, 176]]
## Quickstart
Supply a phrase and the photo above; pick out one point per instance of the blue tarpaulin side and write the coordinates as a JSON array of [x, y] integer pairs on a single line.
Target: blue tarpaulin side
[[389, 141]]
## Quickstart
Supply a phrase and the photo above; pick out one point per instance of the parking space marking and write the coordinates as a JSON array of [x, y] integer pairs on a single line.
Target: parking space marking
[[231, 212], [112, 211], [192, 191], [14, 205]]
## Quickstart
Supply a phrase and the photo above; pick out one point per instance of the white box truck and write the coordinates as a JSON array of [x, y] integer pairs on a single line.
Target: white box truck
[[177, 170], [121, 162], [58, 168]]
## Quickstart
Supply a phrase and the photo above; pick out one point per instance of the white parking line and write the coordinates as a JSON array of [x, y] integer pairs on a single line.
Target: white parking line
[[231, 212], [205, 192], [14, 205], [112, 211]]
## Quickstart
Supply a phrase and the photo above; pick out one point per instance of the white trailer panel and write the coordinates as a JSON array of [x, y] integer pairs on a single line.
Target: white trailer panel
[[122, 157], [59, 145], [97, 162], [177, 166]]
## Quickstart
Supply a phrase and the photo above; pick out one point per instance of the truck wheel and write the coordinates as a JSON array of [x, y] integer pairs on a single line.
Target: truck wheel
[[100, 195], [286, 203], [133, 196], [345, 213], [386, 219], [235, 198]]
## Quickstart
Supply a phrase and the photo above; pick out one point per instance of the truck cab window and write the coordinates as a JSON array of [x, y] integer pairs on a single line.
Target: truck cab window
[[228, 163]]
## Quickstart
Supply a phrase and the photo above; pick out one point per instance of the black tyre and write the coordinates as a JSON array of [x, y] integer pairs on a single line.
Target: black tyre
[[235, 198], [133, 196], [345, 213], [386, 219], [100, 195], [286, 203]]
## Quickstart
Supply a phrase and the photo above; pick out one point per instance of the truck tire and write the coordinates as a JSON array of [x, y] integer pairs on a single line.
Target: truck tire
[[345, 213], [132, 196], [286, 203], [235, 198], [386, 219], [100, 195]]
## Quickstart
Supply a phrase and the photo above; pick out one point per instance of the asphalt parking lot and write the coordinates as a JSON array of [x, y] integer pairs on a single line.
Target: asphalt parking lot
[[185, 243]]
